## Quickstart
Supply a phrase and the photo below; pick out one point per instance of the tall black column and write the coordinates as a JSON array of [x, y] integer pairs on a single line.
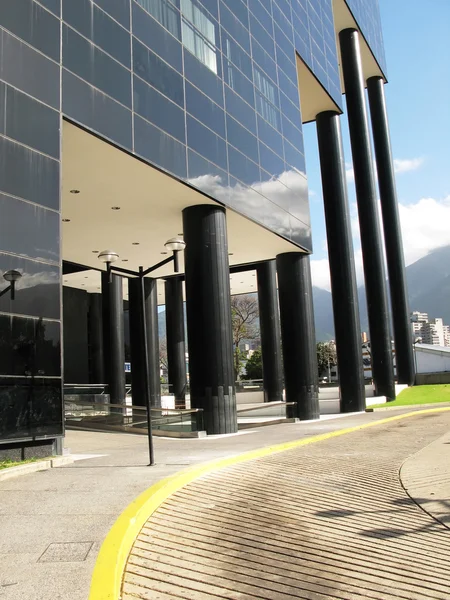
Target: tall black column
[[113, 336], [298, 334], [342, 267], [392, 232], [269, 319], [371, 242], [211, 372], [176, 346], [137, 341], [95, 323]]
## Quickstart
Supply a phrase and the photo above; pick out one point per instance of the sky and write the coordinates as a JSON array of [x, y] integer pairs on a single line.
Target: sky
[[417, 45]]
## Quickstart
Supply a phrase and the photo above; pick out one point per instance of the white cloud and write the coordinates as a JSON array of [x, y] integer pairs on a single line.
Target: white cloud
[[425, 227], [401, 165], [404, 165]]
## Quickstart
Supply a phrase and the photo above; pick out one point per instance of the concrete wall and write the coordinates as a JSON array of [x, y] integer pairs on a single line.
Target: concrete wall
[[432, 378], [432, 361]]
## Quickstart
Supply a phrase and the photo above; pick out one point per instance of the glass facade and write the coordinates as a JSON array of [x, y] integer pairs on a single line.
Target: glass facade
[[367, 15], [204, 89]]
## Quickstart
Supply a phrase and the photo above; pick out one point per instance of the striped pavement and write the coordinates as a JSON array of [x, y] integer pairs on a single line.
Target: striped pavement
[[326, 521]]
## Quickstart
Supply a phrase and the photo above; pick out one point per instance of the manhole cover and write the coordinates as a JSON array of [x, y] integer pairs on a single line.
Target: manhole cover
[[66, 552]]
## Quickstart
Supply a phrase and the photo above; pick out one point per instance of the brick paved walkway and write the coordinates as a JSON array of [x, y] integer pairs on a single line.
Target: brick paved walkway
[[325, 521]]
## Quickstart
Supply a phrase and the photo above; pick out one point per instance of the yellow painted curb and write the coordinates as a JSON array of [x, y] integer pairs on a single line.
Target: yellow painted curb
[[108, 571]]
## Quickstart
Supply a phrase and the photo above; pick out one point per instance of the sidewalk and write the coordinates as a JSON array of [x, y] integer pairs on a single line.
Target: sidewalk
[[53, 523]]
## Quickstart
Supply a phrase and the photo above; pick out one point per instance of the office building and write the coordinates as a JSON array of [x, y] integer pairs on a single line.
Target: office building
[[127, 123]]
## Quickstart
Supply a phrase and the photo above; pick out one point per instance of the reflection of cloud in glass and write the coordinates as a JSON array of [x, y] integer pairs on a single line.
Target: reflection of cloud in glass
[[29, 280]]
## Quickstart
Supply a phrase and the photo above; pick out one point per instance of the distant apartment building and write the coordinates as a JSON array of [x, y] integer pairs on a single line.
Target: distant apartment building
[[432, 332]]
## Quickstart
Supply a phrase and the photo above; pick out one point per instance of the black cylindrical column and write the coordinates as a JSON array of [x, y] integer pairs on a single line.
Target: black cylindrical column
[[137, 340], [113, 336], [298, 334], [211, 372], [342, 267], [176, 346], [392, 232], [269, 319], [371, 242], [95, 323]]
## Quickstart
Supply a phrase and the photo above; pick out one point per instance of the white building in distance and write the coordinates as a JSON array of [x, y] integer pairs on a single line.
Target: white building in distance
[[432, 332]]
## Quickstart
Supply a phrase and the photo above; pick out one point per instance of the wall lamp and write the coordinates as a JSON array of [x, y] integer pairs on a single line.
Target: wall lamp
[[12, 277]]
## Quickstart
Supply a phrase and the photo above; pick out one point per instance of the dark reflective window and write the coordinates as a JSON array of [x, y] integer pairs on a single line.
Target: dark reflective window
[[270, 136], [200, 34], [157, 38], [292, 134], [236, 54], [211, 6], [240, 110], [35, 347], [242, 139], [203, 78], [288, 87], [30, 407], [261, 14], [95, 110], [27, 70], [240, 10], [158, 73], [32, 123], [156, 146], [268, 110], [39, 229], [290, 110], [32, 23], [301, 234], [79, 15], [247, 200], [275, 191], [294, 158], [281, 23], [118, 9], [234, 27], [285, 6], [203, 109], [37, 292], [48, 348], [156, 108], [262, 36], [206, 143], [207, 177], [163, 11], [96, 67], [53, 5], [242, 167], [238, 82], [287, 65], [28, 174], [263, 60], [269, 161], [111, 37], [2, 106]]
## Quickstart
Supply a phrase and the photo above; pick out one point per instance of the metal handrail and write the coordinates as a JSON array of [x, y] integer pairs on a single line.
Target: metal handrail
[[265, 405], [104, 405]]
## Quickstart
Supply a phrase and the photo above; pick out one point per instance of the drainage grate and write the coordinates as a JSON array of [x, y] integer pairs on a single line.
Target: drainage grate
[[66, 552]]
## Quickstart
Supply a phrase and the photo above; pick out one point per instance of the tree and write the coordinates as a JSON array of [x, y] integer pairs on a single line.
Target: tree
[[163, 362], [326, 356], [244, 314], [254, 367]]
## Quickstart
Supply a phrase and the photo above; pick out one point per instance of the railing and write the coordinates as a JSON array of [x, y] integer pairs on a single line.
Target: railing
[[83, 413], [267, 410]]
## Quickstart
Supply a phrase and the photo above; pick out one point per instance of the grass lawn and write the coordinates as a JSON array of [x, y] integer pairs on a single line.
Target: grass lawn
[[4, 464], [420, 394]]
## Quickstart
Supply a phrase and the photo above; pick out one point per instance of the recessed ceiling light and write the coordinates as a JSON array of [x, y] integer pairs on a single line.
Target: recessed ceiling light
[[115, 207], [242, 282], [230, 253], [135, 243], [254, 275], [95, 251], [74, 191], [83, 284], [65, 280], [124, 259], [99, 288], [164, 253], [86, 277], [66, 220], [179, 234]]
